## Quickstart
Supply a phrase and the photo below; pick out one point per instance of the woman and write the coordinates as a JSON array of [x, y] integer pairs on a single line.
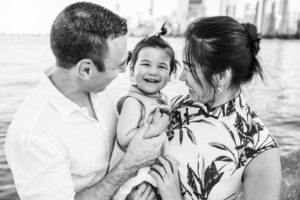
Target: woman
[[223, 150]]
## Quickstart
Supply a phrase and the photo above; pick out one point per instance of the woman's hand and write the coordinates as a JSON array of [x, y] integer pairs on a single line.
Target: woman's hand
[[166, 175], [143, 191]]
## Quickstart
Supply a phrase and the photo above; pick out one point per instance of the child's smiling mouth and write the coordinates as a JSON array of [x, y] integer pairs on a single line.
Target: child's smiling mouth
[[150, 80]]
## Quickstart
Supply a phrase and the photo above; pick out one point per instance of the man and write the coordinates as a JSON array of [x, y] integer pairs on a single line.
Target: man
[[60, 141]]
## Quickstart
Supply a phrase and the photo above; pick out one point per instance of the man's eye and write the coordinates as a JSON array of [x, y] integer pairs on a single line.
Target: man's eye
[[123, 65]]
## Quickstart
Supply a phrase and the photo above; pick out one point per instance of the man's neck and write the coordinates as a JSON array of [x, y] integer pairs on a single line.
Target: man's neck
[[65, 81]]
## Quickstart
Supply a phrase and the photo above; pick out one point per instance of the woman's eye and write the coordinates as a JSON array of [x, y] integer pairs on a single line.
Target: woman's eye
[[186, 68]]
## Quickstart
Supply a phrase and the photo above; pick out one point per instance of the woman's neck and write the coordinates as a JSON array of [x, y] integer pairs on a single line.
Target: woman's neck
[[224, 97]]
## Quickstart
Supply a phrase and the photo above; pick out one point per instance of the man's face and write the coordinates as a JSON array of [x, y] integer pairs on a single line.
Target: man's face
[[114, 63]]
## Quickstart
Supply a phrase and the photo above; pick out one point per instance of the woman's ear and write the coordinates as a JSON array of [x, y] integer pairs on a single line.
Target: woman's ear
[[85, 68], [223, 79], [225, 76]]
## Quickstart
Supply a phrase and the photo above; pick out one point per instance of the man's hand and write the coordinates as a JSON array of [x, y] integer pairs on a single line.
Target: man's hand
[[143, 191], [142, 152]]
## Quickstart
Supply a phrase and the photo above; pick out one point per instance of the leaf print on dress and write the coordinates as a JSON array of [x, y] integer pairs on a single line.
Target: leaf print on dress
[[201, 184], [246, 147], [224, 110], [181, 121]]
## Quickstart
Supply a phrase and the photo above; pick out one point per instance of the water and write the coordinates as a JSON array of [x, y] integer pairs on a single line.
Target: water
[[23, 59]]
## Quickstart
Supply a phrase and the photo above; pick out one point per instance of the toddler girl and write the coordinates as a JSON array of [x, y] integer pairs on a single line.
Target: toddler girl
[[151, 64]]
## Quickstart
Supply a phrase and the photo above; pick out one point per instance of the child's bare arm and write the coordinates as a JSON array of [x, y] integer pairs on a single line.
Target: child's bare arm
[[128, 121]]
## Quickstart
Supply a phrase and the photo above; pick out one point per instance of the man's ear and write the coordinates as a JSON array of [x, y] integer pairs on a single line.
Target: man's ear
[[131, 72], [85, 68]]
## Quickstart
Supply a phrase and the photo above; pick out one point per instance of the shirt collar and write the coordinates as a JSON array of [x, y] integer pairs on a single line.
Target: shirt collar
[[234, 105], [61, 103]]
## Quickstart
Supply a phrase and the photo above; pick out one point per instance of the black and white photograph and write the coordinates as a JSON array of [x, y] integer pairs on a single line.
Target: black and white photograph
[[149, 100]]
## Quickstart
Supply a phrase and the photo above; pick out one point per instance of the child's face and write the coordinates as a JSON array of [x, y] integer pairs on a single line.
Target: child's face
[[152, 70]]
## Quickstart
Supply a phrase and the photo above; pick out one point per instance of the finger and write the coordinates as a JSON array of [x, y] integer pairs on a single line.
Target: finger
[[150, 119], [159, 139], [166, 165], [157, 113], [146, 192], [141, 188], [160, 170], [151, 196], [165, 109], [165, 117], [156, 176], [174, 164]]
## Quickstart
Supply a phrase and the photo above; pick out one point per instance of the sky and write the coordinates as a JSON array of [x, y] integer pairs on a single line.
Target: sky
[[36, 16]]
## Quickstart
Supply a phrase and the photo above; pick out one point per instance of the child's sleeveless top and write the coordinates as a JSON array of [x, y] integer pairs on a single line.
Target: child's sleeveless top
[[149, 103]]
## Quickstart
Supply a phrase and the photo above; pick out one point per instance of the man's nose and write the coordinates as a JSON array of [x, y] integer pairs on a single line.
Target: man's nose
[[123, 69]]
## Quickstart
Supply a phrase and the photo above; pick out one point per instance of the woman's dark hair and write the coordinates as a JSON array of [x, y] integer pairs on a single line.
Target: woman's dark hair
[[80, 32], [214, 44], [154, 41]]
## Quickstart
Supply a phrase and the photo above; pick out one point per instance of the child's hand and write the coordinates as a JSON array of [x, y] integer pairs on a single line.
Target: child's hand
[[165, 109], [158, 124]]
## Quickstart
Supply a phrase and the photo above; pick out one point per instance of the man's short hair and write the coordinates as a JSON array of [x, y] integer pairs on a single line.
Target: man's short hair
[[80, 32]]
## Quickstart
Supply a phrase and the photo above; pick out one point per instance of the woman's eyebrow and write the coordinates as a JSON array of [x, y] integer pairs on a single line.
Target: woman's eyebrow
[[186, 62]]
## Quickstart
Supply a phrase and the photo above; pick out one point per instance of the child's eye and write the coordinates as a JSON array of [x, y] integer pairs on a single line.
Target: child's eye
[[163, 67], [145, 64]]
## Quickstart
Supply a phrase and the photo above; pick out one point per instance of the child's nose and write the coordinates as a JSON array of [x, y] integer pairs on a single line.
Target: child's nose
[[153, 70]]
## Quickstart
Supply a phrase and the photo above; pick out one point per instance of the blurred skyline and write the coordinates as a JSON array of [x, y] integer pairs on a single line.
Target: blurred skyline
[[36, 16], [144, 16]]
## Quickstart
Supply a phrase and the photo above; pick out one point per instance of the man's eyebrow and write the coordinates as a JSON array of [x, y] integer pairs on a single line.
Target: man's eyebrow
[[124, 62]]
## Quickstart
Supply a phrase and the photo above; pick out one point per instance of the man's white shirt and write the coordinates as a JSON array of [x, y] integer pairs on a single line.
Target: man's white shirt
[[54, 148]]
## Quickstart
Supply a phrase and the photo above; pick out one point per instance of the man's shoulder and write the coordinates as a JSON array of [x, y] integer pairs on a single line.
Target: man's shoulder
[[29, 114]]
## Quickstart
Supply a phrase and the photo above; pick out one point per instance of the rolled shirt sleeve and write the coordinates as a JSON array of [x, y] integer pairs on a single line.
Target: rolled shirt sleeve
[[40, 170]]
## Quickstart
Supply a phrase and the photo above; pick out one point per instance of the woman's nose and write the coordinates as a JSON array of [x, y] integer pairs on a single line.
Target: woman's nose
[[182, 75]]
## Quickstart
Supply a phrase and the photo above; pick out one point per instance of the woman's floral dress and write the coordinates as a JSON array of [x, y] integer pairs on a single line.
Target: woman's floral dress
[[213, 147]]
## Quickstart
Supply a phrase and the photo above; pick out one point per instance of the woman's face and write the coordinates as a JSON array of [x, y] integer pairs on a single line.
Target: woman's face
[[200, 93]]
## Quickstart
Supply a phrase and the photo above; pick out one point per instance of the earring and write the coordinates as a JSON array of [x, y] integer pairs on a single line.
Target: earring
[[220, 89]]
